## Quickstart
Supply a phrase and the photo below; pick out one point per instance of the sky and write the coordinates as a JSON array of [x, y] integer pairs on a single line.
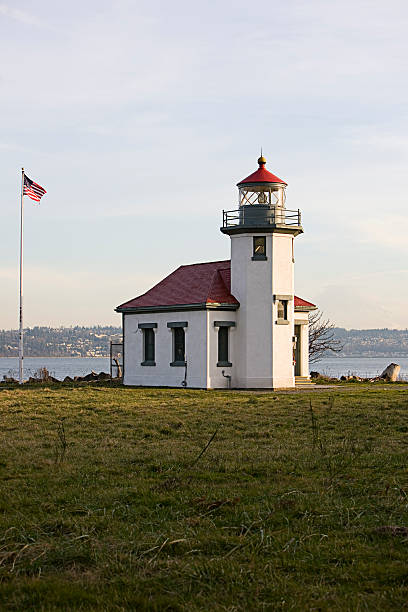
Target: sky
[[140, 117]]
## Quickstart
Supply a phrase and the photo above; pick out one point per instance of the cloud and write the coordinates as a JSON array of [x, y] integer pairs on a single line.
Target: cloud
[[21, 16], [154, 111]]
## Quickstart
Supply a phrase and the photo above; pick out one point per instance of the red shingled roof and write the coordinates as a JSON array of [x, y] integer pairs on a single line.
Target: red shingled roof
[[205, 283], [302, 303]]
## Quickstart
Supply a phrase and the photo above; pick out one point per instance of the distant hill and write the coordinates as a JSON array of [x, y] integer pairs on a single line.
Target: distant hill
[[373, 342], [94, 342], [61, 341]]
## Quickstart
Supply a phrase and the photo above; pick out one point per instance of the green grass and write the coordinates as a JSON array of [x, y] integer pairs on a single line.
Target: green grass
[[106, 503]]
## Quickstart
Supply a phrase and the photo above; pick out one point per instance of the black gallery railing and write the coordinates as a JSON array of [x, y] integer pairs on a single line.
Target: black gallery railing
[[260, 215]]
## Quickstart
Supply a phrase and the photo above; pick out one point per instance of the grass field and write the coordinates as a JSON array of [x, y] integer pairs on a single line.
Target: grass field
[[146, 499]]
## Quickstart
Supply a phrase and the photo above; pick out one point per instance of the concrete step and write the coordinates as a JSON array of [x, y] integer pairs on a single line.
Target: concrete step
[[303, 381], [304, 386]]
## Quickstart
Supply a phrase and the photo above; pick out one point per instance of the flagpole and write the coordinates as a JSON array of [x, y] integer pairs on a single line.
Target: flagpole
[[20, 337]]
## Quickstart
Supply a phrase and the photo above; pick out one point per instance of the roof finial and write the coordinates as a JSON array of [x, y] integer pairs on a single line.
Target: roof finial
[[261, 160]]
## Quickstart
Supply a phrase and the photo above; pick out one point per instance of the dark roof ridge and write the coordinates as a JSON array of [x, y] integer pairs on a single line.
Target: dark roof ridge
[[204, 263]]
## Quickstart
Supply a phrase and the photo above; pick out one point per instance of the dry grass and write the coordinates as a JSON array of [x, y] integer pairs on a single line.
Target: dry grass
[[118, 499]]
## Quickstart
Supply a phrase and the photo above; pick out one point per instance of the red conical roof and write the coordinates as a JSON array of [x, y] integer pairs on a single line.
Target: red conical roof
[[261, 175]]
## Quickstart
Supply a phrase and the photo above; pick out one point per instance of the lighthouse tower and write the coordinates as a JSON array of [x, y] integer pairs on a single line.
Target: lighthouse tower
[[262, 232]]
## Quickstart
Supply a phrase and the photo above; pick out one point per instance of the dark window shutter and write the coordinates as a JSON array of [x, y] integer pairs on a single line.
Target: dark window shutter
[[179, 344], [148, 344], [223, 344]]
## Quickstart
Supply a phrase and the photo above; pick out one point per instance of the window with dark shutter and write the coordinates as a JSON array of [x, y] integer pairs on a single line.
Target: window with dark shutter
[[223, 344], [179, 344], [149, 353]]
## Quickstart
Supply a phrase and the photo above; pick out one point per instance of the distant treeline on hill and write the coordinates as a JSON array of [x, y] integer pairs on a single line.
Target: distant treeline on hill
[[373, 342], [61, 341], [94, 342]]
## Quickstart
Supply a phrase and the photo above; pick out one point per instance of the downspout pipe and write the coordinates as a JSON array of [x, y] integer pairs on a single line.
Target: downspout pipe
[[184, 381], [228, 376]]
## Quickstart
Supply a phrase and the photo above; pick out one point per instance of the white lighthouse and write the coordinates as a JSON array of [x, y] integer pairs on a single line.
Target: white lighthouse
[[227, 324], [262, 233]]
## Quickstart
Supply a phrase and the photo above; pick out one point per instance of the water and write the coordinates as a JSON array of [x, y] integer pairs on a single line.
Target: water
[[366, 367], [59, 367], [79, 366]]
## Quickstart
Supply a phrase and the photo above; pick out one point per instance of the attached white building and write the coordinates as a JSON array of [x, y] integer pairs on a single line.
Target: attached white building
[[234, 323]]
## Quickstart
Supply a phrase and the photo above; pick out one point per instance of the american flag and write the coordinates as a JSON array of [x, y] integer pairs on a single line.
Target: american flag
[[33, 190]]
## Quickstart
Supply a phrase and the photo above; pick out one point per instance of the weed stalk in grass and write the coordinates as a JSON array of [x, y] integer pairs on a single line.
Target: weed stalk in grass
[[60, 446], [203, 450], [315, 427]]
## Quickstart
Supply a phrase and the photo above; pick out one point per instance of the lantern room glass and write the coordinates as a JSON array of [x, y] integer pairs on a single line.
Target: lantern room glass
[[267, 194]]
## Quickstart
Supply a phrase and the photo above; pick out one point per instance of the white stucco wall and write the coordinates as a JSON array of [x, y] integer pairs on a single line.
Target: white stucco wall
[[264, 350], [260, 350], [282, 335], [251, 284], [162, 374], [215, 378], [201, 337]]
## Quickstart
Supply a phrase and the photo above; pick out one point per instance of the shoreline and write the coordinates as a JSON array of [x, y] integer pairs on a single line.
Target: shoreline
[[58, 357], [107, 357]]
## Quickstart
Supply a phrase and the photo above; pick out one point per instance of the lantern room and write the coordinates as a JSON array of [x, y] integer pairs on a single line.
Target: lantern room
[[262, 202], [262, 187]]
